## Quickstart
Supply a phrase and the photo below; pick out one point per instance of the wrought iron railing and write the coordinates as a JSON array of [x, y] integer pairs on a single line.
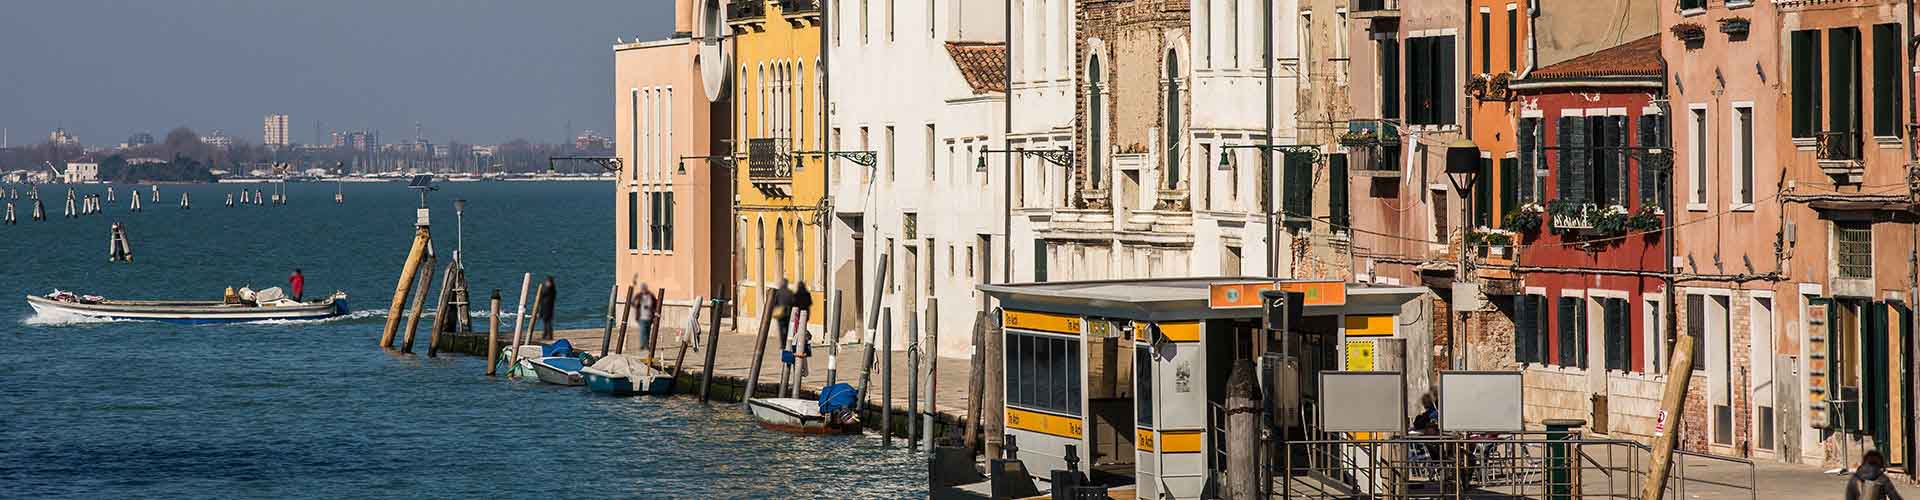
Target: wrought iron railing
[[1838, 146], [1574, 218], [744, 10], [1377, 5], [770, 159], [795, 7]]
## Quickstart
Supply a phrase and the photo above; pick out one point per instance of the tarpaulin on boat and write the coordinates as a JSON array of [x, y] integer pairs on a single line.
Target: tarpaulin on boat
[[558, 348], [838, 397]]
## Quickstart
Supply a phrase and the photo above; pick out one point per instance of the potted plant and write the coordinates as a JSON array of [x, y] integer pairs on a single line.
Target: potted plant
[[1609, 221], [1689, 32], [1526, 220], [1736, 25], [1645, 220], [1359, 137], [1477, 86]]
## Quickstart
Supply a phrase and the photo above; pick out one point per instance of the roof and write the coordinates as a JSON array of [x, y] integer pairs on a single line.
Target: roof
[[1159, 299], [1638, 58], [983, 64]]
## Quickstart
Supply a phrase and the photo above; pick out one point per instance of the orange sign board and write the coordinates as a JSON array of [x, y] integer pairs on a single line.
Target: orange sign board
[[1319, 293], [1246, 295]]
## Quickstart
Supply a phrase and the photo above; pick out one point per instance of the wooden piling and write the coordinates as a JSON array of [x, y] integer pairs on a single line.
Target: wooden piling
[[442, 311], [419, 303], [975, 383], [932, 364], [913, 379], [653, 331], [519, 316], [886, 375], [713, 345], [1673, 405], [866, 360], [493, 333], [833, 339], [1243, 432], [760, 345], [687, 336], [533, 315], [626, 315], [407, 272], [994, 417], [606, 334]]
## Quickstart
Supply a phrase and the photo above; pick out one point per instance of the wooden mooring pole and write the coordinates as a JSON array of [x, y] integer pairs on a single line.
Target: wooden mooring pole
[[419, 303], [493, 333], [975, 383], [626, 315], [932, 363], [533, 315], [407, 272], [760, 345], [713, 345], [833, 339], [606, 334], [1672, 404], [442, 310], [1243, 432], [519, 317], [886, 375], [913, 379], [993, 417], [653, 331]]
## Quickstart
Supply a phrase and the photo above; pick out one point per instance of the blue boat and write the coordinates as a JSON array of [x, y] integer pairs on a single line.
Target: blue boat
[[619, 375]]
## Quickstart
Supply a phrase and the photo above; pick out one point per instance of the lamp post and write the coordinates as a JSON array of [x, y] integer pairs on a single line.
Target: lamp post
[[1267, 208], [1062, 157]]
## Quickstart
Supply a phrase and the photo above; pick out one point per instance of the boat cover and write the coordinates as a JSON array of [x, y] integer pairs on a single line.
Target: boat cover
[[562, 363], [838, 397], [558, 348], [269, 295], [616, 365]]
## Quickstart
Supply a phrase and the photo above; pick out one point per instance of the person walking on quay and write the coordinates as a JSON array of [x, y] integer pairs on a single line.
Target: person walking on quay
[[1870, 481], [297, 283], [781, 299], [547, 296], [643, 301]]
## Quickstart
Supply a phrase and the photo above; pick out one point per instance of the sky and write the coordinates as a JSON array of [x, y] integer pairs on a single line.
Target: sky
[[476, 71]]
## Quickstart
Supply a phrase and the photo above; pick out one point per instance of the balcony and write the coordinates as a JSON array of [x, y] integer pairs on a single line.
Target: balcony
[[1575, 218], [770, 165], [1838, 154], [746, 11], [1366, 9], [1374, 147], [798, 8]]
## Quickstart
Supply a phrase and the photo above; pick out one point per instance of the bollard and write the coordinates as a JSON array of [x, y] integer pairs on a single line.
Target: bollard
[[493, 333], [833, 339], [1560, 459], [519, 313], [760, 345], [606, 334], [713, 344]]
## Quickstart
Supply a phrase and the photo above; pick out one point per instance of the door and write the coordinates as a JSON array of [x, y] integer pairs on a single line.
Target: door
[[1761, 384], [1874, 384], [851, 309], [910, 298]]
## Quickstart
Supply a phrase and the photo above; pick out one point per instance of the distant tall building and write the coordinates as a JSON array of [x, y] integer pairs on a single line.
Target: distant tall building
[[139, 139], [276, 131], [61, 137]]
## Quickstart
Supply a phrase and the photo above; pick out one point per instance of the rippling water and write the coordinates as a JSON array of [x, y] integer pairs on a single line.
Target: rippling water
[[314, 409]]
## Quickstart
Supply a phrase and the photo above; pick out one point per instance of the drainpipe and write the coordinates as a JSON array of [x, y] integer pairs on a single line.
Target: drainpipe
[[826, 174], [1006, 183], [1266, 153], [1913, 251]]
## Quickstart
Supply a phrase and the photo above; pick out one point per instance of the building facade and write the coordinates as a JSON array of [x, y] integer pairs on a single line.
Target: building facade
[[274, 131], [923, 90], [780, 203], [667, 208]]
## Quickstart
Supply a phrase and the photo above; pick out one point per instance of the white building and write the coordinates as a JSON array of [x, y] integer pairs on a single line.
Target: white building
[[925, 91], [275, 131], [79, 172]]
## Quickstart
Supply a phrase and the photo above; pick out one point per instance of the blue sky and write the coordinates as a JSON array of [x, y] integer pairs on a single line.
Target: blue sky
[[479, 71]]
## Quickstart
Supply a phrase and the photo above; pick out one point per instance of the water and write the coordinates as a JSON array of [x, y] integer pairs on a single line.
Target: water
[[315, 409]]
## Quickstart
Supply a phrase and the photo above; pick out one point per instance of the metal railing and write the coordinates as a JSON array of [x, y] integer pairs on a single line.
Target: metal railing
[[1838, 146], [1523, 466], [796, 7], [769, 159], [1370, 6], [746, 10]]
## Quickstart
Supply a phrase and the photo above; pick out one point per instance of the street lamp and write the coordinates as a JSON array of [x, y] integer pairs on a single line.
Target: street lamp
[[1266, 150], [1059, 157]]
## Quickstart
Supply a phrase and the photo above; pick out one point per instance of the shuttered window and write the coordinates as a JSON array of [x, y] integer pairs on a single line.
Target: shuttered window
[[1806, 82], [1572, 320], [1509, 177], [1529, 325], [1886, 80], [1389, 79], [1430, 86], [1483, 194], [1652, 134], [633, 220], [1298, 183], [1572, 174], [1528, 138], [1693, 4], [1697, 327], [1338, 187], [1618, 340], [1843, 78]]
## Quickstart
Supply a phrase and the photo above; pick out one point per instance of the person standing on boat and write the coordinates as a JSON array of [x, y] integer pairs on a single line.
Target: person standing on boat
[[297, 283], [781, 297], [547, 296], [644, 302]]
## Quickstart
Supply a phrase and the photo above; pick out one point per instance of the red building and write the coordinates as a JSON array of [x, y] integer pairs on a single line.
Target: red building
[[1585, 291]]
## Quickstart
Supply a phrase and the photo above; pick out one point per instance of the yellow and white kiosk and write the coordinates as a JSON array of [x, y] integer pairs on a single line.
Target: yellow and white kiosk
[[1132, 373]]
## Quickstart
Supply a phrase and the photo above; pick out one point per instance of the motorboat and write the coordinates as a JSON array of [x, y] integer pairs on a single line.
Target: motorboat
[[832, 414], [269, 304], [559, 370]]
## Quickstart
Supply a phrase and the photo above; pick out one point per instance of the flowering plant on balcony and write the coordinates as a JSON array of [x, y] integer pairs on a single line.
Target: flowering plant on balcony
[[1735, 25], [1526, 220], [1477, 86], [1689, 32], [1610, 221], [1359, 137], [1486, 236], [1645, 220]]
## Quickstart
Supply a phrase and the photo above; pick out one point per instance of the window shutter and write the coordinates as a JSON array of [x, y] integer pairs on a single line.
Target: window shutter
[[1843, 52], [1527, 145], [1445, 98], [1338, 190], [1616, 179], [1569, 343], [1390, 78], [1299, 189], [1886, 80], [1509, 195], [1419, 108], [1573, 159], [1649, 175], [1483, 194], [1618, 355], [1525, 330], [1806, 82]]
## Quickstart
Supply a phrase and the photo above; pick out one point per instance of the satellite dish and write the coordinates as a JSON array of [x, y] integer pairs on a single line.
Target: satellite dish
[[715, 59]]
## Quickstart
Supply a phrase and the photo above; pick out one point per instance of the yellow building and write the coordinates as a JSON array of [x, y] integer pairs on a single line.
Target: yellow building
[[777, 90]]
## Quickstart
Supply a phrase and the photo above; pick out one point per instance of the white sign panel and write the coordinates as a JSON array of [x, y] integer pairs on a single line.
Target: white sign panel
[[1362, 402], [1473, 401]]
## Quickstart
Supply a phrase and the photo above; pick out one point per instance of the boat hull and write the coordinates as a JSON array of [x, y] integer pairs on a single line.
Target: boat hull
[[627, 385], [778, 414], [189, 313], [556, 376]]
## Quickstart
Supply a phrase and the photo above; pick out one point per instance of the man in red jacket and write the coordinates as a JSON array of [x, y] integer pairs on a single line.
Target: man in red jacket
[[298, 284]]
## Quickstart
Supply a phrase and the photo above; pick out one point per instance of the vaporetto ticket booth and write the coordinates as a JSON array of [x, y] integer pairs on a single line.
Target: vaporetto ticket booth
[[1132, 373]]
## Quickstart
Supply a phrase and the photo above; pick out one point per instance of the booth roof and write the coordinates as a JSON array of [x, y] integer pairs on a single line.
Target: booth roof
[[1164, 298]]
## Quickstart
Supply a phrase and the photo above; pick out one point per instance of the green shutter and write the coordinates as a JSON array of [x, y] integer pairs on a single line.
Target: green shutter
[[1445, 98], [1573, 159], [1509, 189], [1843, 71], [1569, 321], [1806, 82], [1886, 80], [1649, 175], [1483, 194], [1419, 71], [1873, 380], [1525, 330], [1619, 348], [1528, 145], [1616, 180], [1390, 79], [1299, 188], [1339, 187]]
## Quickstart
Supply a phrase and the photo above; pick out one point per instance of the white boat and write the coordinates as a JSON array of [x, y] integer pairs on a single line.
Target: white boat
[[801, 416], [559, 370], [622, 375], [190, 312]]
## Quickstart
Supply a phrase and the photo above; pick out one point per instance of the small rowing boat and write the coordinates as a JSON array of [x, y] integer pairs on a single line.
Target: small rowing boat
[[620, 375], [832, 414], [190, 312]]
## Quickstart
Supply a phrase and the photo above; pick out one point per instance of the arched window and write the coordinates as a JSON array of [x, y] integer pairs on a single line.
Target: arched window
[[1097, 125], [1173, 120], [799, 251], [760, 248], [779, 248]]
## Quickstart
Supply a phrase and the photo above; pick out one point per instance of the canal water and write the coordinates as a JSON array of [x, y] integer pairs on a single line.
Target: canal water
[[315, 409]]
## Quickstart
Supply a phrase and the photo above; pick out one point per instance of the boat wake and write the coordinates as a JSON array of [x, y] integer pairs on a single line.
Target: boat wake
[[59, 318], [350, 316]]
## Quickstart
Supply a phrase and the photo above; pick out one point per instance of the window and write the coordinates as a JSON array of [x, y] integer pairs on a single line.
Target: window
[[1513, 37], [1509, 176], [1483, 194], [1143, 385], [1616, 330], [1337, 192], [1697, 141], [933, 254], [633, 221], [1843, 89], [653, 221], [1713, 321], [1297, 180], [1886, 80], [932, 7], [1652, 135], [1486, 41], [1573, 333], [1233, 32], [1096, 122], [890, 153], [1855, 249], [1652, 331], [1806, 82], [1389, 78], [1697, 327], [864, 23], [1430, 88], [1528, 135], [1572, 175], [890, 20], [1304, 40], [1743, 155], [1043, 372], [660, 221], [1173, 120], [1761, 359], [933, 170], [1693, 4], [1529, 328]]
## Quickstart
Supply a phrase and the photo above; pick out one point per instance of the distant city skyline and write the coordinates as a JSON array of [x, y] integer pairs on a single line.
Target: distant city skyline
[[482, 71]]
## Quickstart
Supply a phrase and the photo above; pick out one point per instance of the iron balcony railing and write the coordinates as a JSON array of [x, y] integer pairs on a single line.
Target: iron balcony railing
[[1376, 8], [1838, 146], [1574, 219], [770, 159], [797, 7], [746, 10]]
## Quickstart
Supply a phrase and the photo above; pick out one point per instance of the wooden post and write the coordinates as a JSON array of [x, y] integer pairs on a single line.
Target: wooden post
[[533, 315], [833, 339], [407, 272], [653, 331], [606, 335], [866, 363], [519, 317], [1672, 406], [419, 303], [932, 362], [713, 345], [442, 311], [976, 383], [687, 336], [913, 379], [493, 333], [991, 407], [886, 375], [759, 346], [1243, 432], [626, 316]]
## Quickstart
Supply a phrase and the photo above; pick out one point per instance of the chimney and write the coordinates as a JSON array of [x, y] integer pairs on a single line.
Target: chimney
[[683, 14]]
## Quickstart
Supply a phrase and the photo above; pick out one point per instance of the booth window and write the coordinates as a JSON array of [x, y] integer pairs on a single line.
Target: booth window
[[1143, 384], [1043, 373]]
